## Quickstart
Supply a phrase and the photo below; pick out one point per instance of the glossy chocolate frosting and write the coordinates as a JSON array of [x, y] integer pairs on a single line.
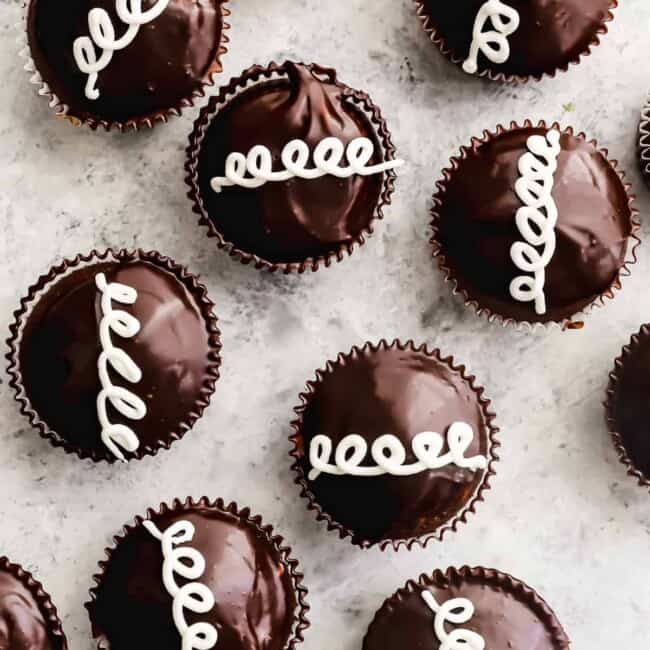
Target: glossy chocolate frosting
[[508, 615], [476, 226], [551, 33], [167, 62], [22, 624], [60, 348], [401, 392], [255, 600], [296, 219]]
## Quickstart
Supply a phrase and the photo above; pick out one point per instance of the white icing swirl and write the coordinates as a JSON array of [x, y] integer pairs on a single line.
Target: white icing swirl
[[390, 456], [102, 35], [536, 219], [494, 42], [188, 563], [456, 611], [122, 399], [328, 155]]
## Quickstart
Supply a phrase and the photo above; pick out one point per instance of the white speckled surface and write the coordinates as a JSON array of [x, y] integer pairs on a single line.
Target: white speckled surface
[[562, 514]]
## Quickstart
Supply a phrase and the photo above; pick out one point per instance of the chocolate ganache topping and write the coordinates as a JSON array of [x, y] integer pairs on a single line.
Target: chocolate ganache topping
[[475, 225], [548, 37], [172, 348], [166, 63], [252, 587], [401, 392], [292, 220]]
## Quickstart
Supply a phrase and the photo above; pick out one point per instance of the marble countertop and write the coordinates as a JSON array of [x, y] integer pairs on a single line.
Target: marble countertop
[[562, 514]]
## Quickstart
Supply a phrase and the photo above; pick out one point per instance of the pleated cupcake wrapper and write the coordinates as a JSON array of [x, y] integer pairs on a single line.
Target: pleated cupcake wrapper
[[276, 542], [298, 451], [611, 396], [62, 110], [68, 266], [644, 141], [479, 575], [572, 322], [441, 43], [260, 75], [43, 600]]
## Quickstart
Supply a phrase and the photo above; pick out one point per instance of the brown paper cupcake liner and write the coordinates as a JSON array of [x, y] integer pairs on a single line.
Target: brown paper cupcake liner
[[644, 142], [62, 110], [300, 620], [43, 600], [627, 352], [441, 43], [492, 577], [298, 451], [66, 267], [260, 74], [573, 322]]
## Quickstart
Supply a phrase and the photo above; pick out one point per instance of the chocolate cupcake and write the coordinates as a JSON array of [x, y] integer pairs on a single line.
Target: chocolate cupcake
[[288, 167], [628, 406], [28, 619], [515, 40], [393, 445], [124, 63], [114, 355], [532, 224], [198, 574], [472, 608], [644, 142]]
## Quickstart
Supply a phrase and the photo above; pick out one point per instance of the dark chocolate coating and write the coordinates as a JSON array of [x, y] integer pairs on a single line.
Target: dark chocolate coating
[[167, 61], [60, 348], [505, 616], [476, 226], [296, 219], [399, 392], [22, 625], [551, 33], [255, 600]]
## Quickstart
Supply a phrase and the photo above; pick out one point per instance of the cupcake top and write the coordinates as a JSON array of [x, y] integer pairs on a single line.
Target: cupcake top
[[472, 608], [198, 576], [27, 617], [117, 356], [515, 39], [125, 61], [533, 224], [289, 165], [393, 443]]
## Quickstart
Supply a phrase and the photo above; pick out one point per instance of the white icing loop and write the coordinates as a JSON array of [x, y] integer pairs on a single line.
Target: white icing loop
[[188, 563], [536, 220], [389, 454], [123, 400], [102, 35], [456, 611], [494, 42], [256, 168]]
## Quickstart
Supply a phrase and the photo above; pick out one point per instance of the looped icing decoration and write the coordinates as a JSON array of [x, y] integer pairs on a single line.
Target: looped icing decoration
[[102, 35], [123, 400], [256, 168], [536, 220], [456, 611], [494, 42], [389, 454], [187, 563]]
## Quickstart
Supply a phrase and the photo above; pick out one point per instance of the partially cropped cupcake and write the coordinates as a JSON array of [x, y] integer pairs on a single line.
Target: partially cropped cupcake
[[288, 167], [644, 142], [393, 445], [533, 224], [124, 63], [472, 608], [198, 575], [115, 355], [515, 40], [28, 619]]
